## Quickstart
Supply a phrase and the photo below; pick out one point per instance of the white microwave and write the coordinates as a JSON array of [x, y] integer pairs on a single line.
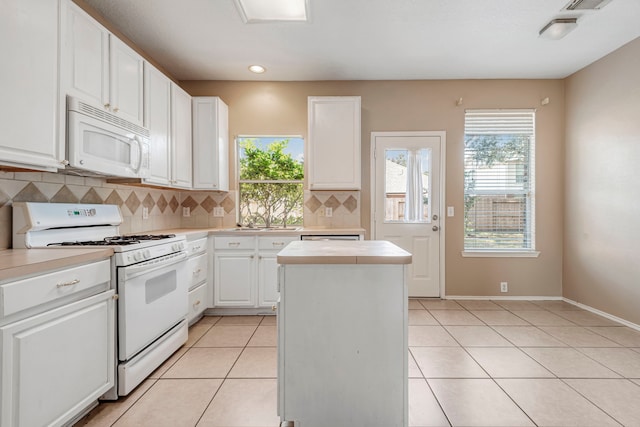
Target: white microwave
[[101, 143]]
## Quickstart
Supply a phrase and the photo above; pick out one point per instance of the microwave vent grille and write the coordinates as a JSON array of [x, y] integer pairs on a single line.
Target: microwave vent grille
[[98, 113]]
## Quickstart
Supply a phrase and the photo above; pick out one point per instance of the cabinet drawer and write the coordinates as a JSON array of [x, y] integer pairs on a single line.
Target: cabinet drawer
[[197, 269], [197, 301], [233, 242], [197, 246], [274, 242], [23, 294]]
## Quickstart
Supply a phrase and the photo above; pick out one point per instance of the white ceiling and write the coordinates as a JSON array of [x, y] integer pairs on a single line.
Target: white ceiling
[[373, 39]]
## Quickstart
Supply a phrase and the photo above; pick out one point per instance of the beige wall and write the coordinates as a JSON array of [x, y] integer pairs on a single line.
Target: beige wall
[[281, 108], [602, 214]]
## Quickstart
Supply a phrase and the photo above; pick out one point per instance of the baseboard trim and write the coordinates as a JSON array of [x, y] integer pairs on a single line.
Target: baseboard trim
[[603, 314], [502, 298]]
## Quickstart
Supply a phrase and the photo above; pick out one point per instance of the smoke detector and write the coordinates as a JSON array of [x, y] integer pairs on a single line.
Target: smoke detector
[[586, 4]]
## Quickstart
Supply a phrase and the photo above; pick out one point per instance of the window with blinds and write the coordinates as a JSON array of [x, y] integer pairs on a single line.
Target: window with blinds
[[499, 180]]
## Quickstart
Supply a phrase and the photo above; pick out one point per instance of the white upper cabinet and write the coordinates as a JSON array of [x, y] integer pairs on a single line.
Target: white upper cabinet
[[29, 75], [126, 71], [334, 143], [157, 118], [99, 68], [181, 140], [210, 144]]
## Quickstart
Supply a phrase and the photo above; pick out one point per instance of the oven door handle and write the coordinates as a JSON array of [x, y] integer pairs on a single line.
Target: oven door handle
[[153, 265]]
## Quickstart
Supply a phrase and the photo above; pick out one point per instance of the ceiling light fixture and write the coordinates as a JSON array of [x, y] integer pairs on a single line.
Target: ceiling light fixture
[[586, 4], [258, 69], [253, 11], [558, 28]]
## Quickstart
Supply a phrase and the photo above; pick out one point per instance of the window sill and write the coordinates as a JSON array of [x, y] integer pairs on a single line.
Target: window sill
[[500, 254]]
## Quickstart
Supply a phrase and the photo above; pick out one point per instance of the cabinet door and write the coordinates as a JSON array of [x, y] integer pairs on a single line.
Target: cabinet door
[[157, 118], [234, 279], [181, 137], [84, 61], [267, 279], [210, 144], [56, 363], [334, 143], [29, 75], [126, 76]]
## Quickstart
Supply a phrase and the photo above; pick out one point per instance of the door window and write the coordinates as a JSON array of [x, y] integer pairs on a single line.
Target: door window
[[407, 185]]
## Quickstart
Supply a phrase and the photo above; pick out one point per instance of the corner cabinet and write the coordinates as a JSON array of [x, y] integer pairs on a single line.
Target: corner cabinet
[[29, 74], [334, 143], [210, 144]]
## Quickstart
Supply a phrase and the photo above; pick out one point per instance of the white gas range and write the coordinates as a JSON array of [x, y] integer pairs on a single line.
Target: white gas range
[[148, 273]]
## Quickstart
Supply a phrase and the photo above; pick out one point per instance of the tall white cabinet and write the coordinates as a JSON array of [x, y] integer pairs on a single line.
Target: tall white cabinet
[[29, 75], [157, 118], [334, 142], [181, 140], [210, 144]]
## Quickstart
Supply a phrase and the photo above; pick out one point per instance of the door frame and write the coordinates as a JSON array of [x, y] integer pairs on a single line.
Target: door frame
[[441, 198]]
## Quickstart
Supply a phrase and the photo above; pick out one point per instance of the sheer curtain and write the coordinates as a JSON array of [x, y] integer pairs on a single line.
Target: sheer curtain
[[413, 207]]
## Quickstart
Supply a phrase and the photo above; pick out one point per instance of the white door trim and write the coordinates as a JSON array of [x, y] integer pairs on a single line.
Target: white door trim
[[442, 198]]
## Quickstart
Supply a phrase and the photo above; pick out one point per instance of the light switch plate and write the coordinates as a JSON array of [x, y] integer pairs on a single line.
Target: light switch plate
[[450, 211], [328, 212], [145, 213], [218, 211]]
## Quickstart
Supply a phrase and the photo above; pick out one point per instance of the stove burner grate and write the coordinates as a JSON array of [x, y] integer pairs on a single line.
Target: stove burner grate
[[116, 240]]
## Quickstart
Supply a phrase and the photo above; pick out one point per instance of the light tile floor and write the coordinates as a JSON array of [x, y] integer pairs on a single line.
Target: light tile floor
[[471, 363]]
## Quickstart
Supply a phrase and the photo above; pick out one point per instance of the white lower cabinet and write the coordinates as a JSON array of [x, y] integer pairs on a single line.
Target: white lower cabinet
[[246, 270], [198, 277], [55, 364]]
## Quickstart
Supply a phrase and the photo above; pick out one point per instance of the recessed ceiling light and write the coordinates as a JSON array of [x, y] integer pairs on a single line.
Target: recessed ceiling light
[[558, 28], [258, 69], [253, 11]]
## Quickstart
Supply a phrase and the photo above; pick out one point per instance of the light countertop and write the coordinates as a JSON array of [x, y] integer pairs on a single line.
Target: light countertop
[[343, 252], [15, 263], [195, 233]]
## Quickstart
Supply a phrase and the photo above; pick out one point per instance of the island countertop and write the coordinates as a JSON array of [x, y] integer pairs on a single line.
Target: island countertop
[[343, 252]]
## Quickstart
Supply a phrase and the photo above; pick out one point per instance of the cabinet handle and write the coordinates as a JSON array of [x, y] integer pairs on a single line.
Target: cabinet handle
[[197, 303], [235, 244], [115, 297], [115, 110], [107, 105], [252, 256], [196, 272], [274, 307], [71, 283], [278, 243]]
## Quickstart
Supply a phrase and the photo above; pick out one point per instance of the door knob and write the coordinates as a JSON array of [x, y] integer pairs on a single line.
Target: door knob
[[435, 228], [435, 217]]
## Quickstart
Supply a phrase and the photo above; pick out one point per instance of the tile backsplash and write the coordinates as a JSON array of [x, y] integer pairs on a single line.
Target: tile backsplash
[[345, 206], [165, 206]]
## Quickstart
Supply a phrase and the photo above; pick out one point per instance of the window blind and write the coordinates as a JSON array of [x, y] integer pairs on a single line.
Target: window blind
[[499, 180]]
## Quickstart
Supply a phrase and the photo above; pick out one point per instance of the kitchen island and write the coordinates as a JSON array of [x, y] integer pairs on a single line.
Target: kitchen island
[[342, 334]]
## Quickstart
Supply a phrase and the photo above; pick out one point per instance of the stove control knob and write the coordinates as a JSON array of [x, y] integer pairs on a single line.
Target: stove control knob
[[147, 254], [137, 256]]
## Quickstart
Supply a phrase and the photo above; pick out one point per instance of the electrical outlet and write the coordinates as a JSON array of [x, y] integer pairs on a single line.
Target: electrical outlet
[[328, 212], [145, 213], [186, 212], [218, 211], [504, 287]]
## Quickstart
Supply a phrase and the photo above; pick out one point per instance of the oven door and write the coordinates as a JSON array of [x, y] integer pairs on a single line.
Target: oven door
[[153, 297]]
